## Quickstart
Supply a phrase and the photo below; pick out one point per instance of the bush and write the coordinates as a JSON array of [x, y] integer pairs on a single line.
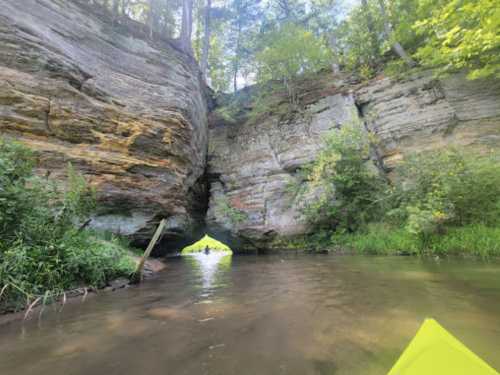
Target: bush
[[349, 190], [446, 188], [41, 252], [442, 202], [32, 209]]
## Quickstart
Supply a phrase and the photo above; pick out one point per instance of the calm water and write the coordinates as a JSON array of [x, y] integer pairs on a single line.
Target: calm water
[[262, 315]]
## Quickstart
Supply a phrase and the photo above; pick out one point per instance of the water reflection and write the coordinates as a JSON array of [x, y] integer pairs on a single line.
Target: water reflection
[[207, 265], [294, 315]]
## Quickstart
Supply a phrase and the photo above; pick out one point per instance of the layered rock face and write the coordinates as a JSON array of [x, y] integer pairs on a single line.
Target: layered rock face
[[423, 113], [131, 115], [128, 113], [252, 162]]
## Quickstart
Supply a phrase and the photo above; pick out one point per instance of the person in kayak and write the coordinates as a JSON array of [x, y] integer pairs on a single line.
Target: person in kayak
[[207, 250]]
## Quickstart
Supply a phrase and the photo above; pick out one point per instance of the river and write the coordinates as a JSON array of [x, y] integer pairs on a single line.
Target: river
[[279, 314]]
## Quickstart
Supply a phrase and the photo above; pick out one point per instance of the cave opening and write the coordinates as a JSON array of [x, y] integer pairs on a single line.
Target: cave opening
[[206, 244]]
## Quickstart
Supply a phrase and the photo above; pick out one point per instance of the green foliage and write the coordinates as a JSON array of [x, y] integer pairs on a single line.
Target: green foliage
[[274, 39], [41, 253], [446, 187], [349, 190], [442, 202], [360, 47], [461, 35], [220, 69], [273, 98], [288, 52], [378, 239], [31, 271], [450, 35], [475, 239], [33, 209]]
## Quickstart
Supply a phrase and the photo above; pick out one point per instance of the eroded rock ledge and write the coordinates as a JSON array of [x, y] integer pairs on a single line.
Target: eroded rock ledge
[[252, 161], [128, 113]]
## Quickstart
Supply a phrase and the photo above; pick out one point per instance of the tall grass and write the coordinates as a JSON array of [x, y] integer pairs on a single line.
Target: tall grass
[[474, 239], [42, 252]]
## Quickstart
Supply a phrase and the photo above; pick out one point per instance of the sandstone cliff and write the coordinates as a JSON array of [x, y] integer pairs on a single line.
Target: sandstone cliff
[[252, 161], [131, 115], [128, 113], [423, 113]]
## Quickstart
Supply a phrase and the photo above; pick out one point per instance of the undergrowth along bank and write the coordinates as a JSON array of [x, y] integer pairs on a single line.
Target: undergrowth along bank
[[437, 202], [44, 249]]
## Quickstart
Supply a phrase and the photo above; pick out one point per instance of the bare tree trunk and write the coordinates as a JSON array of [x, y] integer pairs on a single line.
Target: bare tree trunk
[[396, 46], [125, 4], [187, 26], [139, 273], [115, 9], [333, 46], [206, 41], [371, 27], [235, 76], [236, 63], [151, 15]]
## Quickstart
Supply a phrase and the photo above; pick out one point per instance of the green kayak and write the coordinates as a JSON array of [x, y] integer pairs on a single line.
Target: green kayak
[[434, 351]]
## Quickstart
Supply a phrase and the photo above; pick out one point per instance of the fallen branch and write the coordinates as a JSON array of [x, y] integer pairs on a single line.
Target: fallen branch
[[84, 225], [138, 275]]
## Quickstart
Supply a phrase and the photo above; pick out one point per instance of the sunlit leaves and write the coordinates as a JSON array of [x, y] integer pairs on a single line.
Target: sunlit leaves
[[462, 34], [290, 51]]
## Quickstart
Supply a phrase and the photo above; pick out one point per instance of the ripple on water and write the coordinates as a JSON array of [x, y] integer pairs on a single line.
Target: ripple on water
[[262, 315]]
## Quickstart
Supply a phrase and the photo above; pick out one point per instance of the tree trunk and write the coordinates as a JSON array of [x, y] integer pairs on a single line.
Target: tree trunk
[[333, 46], [187, 26], [235, 76], [154, 17], [115, 9], [236, 63], [125, 4], [139, 273], [371, 28], [151, 16], [396, 46], [206, 41]]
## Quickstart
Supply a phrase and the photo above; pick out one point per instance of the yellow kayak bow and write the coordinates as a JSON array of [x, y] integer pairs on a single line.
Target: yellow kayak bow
[[434, 351]]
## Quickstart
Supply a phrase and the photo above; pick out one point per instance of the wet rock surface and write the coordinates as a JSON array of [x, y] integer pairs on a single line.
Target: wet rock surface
[[128, 113]]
